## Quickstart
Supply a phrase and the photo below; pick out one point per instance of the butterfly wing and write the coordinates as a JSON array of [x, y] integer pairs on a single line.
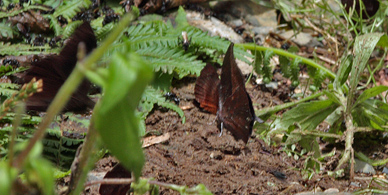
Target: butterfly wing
[[206, 89], [54, 70], [235, 106]]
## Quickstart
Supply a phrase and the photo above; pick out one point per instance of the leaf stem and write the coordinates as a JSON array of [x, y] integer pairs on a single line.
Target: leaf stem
[[281, 52], [278, 108]]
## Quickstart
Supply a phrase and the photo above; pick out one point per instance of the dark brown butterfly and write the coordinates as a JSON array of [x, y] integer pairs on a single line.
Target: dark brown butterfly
[[227, 97], [54, 69]]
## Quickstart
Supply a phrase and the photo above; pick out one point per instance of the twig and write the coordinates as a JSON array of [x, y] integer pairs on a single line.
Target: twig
[[334, 40], [110, 181]]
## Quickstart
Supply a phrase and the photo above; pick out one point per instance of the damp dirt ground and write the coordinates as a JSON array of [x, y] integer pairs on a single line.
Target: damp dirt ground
[[196, 153]]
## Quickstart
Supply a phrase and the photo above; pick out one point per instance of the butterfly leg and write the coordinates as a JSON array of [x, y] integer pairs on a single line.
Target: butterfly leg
[[222, 129]]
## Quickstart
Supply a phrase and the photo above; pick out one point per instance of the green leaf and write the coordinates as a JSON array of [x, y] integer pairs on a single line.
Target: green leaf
[[70, 8], [363, 48], [180, 19], [41, 172], [343, 72], [7, 175], [370, 93], [371, 113], [332, 97], [116, 119], [308, 115]]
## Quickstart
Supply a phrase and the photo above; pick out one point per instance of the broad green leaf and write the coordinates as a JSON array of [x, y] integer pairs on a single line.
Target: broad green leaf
[[370, 93], [308, 115], [363, 48], [116, 119], [343, 72], [41, 172], [7, 175], [332, 97], [371, 113]]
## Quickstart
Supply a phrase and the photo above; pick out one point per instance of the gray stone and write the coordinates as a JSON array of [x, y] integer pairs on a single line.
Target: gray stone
[[213, 26], [303, 39], [363, 167]]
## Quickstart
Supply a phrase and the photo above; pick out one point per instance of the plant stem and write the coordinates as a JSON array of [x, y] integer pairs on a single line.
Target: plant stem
[[80, 169], [286, 105], [349, 136], [70, 85], [281, 52]]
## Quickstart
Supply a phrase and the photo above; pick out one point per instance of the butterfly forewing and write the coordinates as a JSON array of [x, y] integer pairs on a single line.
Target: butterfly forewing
[[235, 106], [54, 70], [206, 89]]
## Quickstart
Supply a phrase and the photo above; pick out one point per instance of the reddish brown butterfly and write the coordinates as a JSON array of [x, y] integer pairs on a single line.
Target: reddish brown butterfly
[[54, 69], [227, 97]]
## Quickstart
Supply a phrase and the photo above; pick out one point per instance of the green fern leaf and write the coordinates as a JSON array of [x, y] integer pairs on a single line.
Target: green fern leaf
[[7, 31], [295, 71], [15, 12], [201, 38], [103, 31], [285, 64], [7, 89], [152, 96], [267, 70], [70, 8], [54, 24], [170, 60], [23, 49], [258, 61], [70, 28]]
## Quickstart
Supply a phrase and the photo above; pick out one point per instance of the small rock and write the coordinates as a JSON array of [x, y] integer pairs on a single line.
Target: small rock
[[237, 22], [217, 155], [263, 30], [214, 26], [272, 85], [267, 18], [303, 39], [331, 190], [385, 170], [363, 167]]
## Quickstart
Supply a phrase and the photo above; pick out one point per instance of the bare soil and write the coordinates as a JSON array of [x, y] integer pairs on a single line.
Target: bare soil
[[196, 153]]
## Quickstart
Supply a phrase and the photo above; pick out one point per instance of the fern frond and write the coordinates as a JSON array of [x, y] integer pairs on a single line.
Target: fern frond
[[295, 71], [54, 24], [154, 33], [285, 64], [23, 49], [18, 11], [170, 60], [7, 31], [202, 39], [70, 28], [267, 70], [7, 89], [103, 31], [70, 8], [152, 96], [318, 75]]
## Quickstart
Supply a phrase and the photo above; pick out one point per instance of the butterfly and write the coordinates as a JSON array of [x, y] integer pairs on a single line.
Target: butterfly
[[227, 97], [54, 69]]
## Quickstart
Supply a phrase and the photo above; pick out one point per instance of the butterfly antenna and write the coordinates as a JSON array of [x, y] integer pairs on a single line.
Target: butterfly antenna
[[258, 119], [222, 129]]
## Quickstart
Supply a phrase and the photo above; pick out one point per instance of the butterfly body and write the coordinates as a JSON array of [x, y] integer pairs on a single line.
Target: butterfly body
[[227, 97]]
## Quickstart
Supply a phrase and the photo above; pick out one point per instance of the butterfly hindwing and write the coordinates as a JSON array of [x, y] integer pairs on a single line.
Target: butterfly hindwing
[[206, 89]]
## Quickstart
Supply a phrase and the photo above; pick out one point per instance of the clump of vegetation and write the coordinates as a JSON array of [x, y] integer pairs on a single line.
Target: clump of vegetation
[[135, 64]]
